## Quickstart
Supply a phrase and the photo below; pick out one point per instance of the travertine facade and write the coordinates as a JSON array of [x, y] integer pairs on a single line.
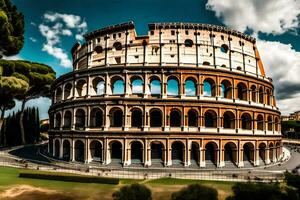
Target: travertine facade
[[185, 94]]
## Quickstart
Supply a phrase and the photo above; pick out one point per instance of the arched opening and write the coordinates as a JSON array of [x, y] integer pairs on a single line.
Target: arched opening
[[230, 153], [99, 86], [68, 119], [80, 118], [175, 118], [211, 153], [136, 152], [79, 151], [210, 119], [58, 120], [228, 120], [136, 118], [270, 123], [271, 152], [50, 145], [118, 87], [192, 118], [58, 94], [66, 150], [190, 88], [155, 118], [177, 152], [68, 91], [188, 43], [262, 152], [81, 88], [96, 118], [278, 150], [116, 119], [156, 152], [172, 87], [276, 124], [261, 95], [117, 46], [226, 89], [224, 48], [253, 93], [260, 122], [209, 88], [57, 148], [137, 86], [155, 87], [246, 121], [248, 153], [268, 97], [116, 152], [98, 49], [242, 91], [195, 153], [96, 151]]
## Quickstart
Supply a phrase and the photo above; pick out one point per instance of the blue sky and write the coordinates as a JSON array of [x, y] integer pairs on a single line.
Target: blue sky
[[274, 22]]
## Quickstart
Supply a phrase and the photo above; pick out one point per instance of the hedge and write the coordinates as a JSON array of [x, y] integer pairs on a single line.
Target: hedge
[[70, 178]]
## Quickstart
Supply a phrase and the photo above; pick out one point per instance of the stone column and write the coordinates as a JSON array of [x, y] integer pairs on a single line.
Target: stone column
[[127, 154], [73, 151], [267, 156], [256, 157]]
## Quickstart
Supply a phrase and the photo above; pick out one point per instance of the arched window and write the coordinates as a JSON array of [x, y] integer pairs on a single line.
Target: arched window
[[99, 86], [224, 48], [188, 43], [246, 121], [137, 86], [268, 97], [226, 89], [98, 49], [172, 87], [270, 123], [80, 118], [210, 118], [57, 120], [155, 118], [209, 88], [228, 120], [81, 88], [58, 94], [192, 118], [261, 95], [276, 124], [117, 46], [190, 88], [118, 87], [68, 119], [242, 91], [253, 93], [155, 87], [175, 118], [68, 91], [116, 117], [260, 122], [136, 118], [96, 118]]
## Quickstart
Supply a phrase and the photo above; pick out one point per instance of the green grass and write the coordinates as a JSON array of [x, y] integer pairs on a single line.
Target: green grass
[[161, 188]]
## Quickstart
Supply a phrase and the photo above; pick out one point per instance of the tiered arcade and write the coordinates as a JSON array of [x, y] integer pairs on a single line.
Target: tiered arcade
[[185, 94]]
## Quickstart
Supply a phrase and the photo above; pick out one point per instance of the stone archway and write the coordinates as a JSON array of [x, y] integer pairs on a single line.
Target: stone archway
[[136, 152]]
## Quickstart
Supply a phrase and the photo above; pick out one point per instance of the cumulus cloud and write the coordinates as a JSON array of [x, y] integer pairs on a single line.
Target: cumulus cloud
[[282, 63], [268, 16], [55, 27]]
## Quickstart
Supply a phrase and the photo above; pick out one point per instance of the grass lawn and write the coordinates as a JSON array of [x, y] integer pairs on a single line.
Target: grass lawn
[[60, 190]]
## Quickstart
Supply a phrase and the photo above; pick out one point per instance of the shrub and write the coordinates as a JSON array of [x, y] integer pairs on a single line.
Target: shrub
[[196, 192], [71, 178], [133, 192]]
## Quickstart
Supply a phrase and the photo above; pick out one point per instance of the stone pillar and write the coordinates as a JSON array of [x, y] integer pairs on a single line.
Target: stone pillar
[[221, 162], [256, 157], [202, 157], [188, 153], [127, 154], [88, 157], [169, 153], [73, 151], [126, 124], [240, 157], [267, 156], [106, 118], [127, 85], [146, 86], [107, 152]]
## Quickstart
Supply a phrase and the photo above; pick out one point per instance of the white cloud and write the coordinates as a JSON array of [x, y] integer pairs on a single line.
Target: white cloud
[[55, 27], [32, 39], [15, 57], [268, 16]]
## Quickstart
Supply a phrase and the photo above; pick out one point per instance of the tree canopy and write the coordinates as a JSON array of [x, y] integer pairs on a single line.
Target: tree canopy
[[11, 29], [133, 192], [196, 192]]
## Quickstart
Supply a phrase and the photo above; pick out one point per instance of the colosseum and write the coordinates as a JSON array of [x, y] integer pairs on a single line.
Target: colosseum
[[185, 94]]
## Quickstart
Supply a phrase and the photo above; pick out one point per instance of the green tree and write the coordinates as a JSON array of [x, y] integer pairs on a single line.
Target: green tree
[[39, 78], [11, 29], [196, 192], [133, 192]]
